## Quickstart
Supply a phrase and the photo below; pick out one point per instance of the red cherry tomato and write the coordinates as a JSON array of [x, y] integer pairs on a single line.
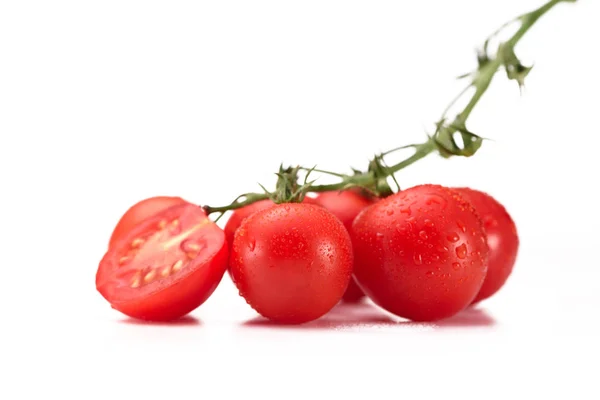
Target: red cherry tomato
[[502, 240], [139, 212], [239, 215], [345, 205], [420, 254], [353, 293], [165, 266], [292, 262]]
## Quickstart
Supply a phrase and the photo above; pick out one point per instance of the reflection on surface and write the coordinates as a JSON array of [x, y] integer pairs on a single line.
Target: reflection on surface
[[366, 316], [187, 320], [471, 317], [341, 316]]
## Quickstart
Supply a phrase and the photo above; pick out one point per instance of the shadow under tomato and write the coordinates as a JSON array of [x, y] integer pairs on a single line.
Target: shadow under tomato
[[187, 320], [341, 316]]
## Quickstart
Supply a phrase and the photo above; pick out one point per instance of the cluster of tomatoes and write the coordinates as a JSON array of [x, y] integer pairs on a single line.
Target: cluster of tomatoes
[[424, 254]]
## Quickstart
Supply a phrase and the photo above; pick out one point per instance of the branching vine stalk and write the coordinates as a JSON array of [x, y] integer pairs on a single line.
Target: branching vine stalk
[[442, 141]]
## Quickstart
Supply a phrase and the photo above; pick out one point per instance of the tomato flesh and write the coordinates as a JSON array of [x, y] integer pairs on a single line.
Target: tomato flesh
[[139, 212], [166, 266], [421, 253], [502, 240], [291, 262]]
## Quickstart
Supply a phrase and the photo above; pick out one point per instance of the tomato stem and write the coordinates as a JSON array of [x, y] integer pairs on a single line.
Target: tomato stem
[[374, 180]]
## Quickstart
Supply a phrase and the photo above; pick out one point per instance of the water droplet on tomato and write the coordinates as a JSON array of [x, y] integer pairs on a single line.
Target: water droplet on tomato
[[418, 259], [252, 244], [453, 237], [429, 223], [455, 266], [390, 211], [461, 251], [379, 235], [489, 222], [423, 235], [461, 226], [430, 273]]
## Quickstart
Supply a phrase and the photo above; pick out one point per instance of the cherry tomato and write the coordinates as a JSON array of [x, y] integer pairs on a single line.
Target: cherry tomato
[[292, 262], [502, 240], [165, 266], [238, 216], [345, 205], [420, 254], [139, 212], [353, 293]]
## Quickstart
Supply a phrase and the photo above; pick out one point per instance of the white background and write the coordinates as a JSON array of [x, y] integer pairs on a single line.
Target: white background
[[105, 103]]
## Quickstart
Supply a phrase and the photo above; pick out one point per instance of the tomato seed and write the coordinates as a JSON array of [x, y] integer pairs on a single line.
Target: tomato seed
[[137, 242], [177, 266], [150, 276], [135, 281]]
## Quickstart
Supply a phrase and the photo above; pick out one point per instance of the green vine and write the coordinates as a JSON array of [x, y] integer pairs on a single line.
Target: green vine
[[443, 140]]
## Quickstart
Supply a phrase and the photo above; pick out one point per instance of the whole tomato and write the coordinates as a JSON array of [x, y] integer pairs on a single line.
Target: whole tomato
[[421, 253], [291, 262], [502, 240], [346, 205]]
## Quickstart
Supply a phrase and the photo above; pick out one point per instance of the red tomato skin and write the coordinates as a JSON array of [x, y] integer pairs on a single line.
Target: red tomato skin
[[354, 293], [421, 253], [239, 215], [139, 212], [173, 301], [292, 262], [502, 240], [345, 205]]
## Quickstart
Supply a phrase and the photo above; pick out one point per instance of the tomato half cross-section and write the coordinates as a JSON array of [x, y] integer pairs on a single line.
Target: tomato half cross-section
[[165, 266], [292, 262], [421, 253], [139, 212]]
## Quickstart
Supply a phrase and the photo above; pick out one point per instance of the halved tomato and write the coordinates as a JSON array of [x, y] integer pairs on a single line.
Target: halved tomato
[[165, 266], [140, 211]]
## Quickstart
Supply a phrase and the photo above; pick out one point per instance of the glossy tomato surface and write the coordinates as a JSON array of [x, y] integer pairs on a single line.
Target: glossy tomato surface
[[292, 262], [139, 212], [164, 267], [345, 205], [238, 216], [502, 240], [420, 254]]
